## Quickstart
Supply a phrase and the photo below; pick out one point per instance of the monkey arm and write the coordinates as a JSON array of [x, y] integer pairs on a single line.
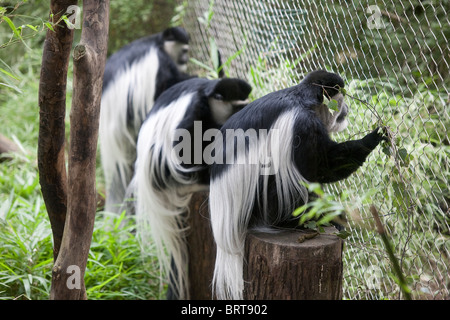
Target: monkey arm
[[342, 159]]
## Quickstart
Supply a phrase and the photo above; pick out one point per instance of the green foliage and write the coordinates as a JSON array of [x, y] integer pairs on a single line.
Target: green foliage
[[413, 174], [19, 31], [268, 75], [206, 19], [212, 72], [18, 26], [129, 21], [26, 255], [116, 269], [179, 13], [214, 66], [410, 30], [333, 105], [19, 109], [323, 208]]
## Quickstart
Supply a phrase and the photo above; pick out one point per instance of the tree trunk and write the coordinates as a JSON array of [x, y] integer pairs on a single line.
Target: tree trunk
[[89, 64], [52, 104], [280, 267], [78, 192]]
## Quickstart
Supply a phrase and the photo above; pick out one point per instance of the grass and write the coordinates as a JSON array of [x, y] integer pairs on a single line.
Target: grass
[[116, 269], [25, 235]]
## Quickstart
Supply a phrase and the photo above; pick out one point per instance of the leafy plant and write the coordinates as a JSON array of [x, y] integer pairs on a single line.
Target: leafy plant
[[17, 27], [268, 75], [129, 21], [215, 67], [25, 235], [116, 269], [324, 208]]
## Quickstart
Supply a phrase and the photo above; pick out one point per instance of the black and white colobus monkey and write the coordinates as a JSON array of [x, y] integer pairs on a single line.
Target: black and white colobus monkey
[[170, 164], [258, 185], [134, 77]]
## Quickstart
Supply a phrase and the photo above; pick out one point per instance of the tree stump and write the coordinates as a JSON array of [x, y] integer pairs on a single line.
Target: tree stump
[[202, 248], [277, 265], [280, 267]]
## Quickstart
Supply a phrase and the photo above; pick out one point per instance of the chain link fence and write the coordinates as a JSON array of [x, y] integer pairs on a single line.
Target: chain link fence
[[394, 57]]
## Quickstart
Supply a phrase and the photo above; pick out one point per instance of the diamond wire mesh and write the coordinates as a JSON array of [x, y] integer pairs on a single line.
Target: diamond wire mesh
[[395, 57]]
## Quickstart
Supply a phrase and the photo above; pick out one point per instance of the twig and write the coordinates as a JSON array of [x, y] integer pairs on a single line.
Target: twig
[[398, 272], [370, 107]]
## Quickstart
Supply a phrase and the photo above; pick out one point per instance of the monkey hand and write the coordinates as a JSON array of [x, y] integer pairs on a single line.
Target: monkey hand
[[375, 137]]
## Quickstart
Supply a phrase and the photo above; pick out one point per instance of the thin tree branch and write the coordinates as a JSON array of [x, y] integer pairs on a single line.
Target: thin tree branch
[[89, 63], [396, 266], [52, 110]]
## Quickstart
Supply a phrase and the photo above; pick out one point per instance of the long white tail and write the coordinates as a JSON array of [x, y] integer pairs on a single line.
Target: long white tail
[[135, 87], [233, 194], [161, 208]]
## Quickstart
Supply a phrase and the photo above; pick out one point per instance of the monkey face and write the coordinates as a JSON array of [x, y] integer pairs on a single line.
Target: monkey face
[[337, 120], [228, 97], [178, 52]]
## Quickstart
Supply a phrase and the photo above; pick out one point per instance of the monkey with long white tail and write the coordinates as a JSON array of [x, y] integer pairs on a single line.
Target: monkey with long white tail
[[135, 76], [258, 184], [173, 162]]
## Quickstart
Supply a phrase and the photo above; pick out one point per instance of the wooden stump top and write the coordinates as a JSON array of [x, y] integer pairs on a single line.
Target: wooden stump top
[[279, 266]]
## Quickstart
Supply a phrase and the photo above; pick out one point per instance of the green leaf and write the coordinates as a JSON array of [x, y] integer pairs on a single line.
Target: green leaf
[[68, 23], [12, 26], [300, 210], [32, 27], [201, 64], [333, 105], [26, 285], [316, 188], [95, 288], [120, 219], [234, 56], [311, 213], [344, 234], [11, 87], [201, 20], [49, 25], [386, 150], [311, 225], [328, 217], [403, 154], [214, 52], [8, 74]]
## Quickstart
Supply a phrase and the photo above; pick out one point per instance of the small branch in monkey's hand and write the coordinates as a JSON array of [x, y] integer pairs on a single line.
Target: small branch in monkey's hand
[[388, 132], [344, 92]]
